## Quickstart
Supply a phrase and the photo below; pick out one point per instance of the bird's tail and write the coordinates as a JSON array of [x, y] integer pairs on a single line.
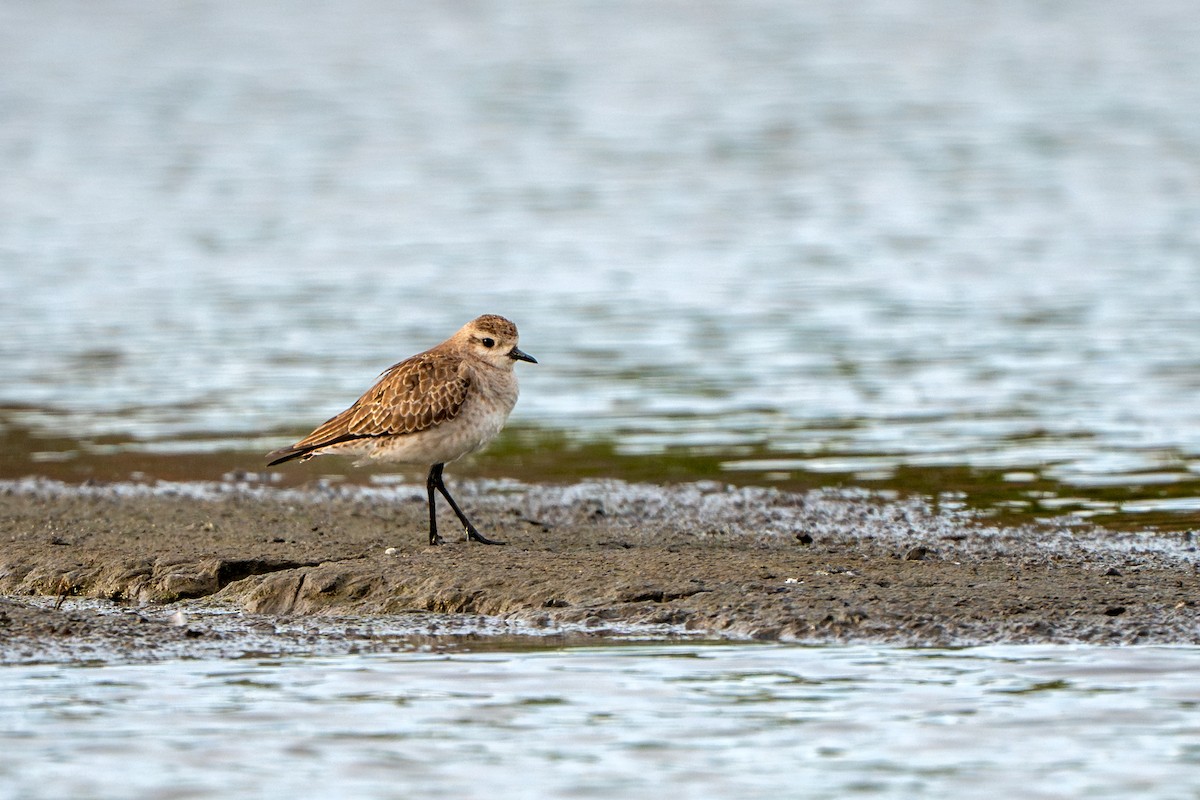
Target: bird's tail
[[311, 446], [288, 453]]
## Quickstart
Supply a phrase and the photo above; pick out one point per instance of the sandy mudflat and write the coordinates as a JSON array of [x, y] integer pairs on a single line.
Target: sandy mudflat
[[190, 569]]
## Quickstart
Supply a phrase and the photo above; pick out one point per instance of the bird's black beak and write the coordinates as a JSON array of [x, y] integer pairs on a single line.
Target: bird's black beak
[[517, 355]]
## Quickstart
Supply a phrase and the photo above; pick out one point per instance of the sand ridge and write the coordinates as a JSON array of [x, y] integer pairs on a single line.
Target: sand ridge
[[697, 559]]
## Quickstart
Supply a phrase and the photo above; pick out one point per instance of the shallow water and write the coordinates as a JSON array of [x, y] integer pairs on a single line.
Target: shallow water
[[615, 721], [788, 241]]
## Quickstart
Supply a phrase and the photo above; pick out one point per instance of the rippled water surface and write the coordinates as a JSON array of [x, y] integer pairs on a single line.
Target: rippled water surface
[[623, 721], [783, 240]]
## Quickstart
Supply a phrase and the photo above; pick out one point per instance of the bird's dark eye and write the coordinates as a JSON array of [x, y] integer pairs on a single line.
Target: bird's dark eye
[[487, 341]]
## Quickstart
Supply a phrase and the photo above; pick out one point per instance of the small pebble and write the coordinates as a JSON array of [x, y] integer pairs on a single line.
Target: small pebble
[[391, 551]]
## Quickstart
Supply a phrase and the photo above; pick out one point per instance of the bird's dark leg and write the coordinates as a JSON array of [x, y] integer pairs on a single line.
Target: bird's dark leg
[[430, 485], [435, 482]]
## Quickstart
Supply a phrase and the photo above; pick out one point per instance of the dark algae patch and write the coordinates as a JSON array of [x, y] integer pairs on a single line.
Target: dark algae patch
[[536, 455]]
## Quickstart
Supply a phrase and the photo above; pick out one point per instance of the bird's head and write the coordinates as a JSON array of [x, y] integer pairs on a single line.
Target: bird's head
[[493, 339]]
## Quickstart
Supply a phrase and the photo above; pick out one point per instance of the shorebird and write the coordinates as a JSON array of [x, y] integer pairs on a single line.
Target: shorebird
[[429, 410]]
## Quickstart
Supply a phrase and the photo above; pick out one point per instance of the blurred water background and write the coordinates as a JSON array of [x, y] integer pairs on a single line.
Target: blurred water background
[[632, 721], [920, 244]]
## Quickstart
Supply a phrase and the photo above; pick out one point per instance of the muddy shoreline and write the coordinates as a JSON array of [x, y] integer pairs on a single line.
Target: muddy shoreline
[[243, 567]]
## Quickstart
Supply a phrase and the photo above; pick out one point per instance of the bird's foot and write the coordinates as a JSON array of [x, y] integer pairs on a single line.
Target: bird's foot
[[476, 536], [435, 539]]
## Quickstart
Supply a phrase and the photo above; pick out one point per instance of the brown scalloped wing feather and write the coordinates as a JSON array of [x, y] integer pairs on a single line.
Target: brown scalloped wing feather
[[416, 394]]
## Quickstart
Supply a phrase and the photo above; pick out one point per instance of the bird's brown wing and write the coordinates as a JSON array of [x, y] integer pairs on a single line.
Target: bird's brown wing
[[416, 394]]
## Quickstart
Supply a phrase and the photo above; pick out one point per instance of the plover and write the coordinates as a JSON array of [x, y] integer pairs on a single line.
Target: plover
[[430, 409]]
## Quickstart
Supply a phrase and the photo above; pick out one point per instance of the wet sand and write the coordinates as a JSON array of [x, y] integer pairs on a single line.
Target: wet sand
[[193, 569]]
